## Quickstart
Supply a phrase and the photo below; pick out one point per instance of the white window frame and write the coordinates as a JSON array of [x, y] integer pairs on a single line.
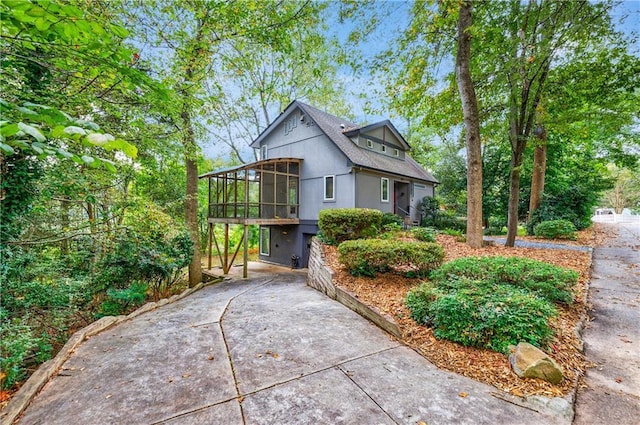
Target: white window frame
[[266, 252], [263, 152], [384, 149], [384, 197], [370, 143], [333, 187], [396, 152]]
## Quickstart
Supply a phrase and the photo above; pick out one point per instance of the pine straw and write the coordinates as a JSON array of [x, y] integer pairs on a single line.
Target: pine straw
[[387, 293]]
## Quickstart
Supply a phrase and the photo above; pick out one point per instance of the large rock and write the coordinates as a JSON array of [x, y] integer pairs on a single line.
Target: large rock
[[528, 361]]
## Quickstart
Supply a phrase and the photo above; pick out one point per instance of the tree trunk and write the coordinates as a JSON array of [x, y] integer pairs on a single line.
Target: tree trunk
[[472, 128], [539, 170], [514, 194], [191, 202]]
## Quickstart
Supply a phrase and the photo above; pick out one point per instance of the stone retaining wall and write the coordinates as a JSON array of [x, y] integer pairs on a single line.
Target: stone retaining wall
[[321, 277]]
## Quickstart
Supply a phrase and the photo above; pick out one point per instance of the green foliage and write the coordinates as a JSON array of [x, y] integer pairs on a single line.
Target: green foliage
[[430, 209], [341, 224], [542, 279], [120, 301], [492, 302], [17, 342], [480, 314], [555, 229], [371, 256], [424, 234], [391, 219]]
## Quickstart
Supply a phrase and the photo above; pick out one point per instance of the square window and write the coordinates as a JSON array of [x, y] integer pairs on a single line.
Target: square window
[[265, 241], [384, 189], [329, 188]]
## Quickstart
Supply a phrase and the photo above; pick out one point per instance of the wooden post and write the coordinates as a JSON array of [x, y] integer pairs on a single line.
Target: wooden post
[[210, 245], [225, 265], [245, 241]]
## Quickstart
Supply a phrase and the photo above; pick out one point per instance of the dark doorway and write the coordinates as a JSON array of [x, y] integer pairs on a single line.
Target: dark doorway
[[401, 199], [306, 249]]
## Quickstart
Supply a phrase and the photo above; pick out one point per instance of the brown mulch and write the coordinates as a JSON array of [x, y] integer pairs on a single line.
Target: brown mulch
[[387, 293]]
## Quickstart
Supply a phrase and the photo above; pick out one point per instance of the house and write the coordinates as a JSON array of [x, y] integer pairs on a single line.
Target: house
[[311, 160]]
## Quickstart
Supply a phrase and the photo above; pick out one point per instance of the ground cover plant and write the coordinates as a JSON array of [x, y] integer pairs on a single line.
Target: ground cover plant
[[555, 229], [492, 302]]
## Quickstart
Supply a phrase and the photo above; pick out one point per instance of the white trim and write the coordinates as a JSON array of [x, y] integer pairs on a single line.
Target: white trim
[[384, 149], [333, 187], [382, 191], [396, 152], [265, 252], [370, 143], [264, 152]]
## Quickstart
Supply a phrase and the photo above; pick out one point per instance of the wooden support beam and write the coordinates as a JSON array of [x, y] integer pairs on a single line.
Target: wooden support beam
[[217, 248], [210, 243], [225, 266], [245, 238]]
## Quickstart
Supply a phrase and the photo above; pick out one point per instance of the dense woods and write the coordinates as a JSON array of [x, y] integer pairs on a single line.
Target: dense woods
[[107, 109]]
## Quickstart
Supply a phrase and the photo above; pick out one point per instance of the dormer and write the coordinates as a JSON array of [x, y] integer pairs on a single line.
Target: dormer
[[381, 137]]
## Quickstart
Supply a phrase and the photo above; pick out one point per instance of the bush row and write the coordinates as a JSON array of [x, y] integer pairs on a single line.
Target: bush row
[[492, 302], [340, 224], [370, 256]]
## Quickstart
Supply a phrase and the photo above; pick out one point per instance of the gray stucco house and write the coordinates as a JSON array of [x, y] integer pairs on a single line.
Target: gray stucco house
[[311, 160]]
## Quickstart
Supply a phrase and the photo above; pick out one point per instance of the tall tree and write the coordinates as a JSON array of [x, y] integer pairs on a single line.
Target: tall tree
[[471, 127], [186, 40]]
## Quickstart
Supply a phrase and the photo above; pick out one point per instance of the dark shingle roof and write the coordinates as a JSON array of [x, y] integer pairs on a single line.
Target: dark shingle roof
[[334, 127]]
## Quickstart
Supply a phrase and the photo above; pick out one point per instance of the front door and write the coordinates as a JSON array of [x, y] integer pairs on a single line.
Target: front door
[[401, 199]]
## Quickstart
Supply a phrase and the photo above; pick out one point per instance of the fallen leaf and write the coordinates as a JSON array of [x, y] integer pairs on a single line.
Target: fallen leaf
[[275, 355], [463, 394], [186, 375], [422, 423], [517, 393], [4, 395], [108, 396], [240, 399], [210, 357], [618, 380]]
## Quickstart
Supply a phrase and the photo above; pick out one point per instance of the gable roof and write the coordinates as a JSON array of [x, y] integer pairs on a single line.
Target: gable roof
[[350, 132], [338, 129]]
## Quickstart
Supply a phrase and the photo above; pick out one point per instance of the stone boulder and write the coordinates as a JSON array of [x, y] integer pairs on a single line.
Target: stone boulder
[[527, 361]]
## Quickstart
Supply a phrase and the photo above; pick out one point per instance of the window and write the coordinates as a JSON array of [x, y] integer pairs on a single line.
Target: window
[[384, 149], [369, 144], [329, 188], [384, 189], [265, 240], [263, 152], [396, 152]]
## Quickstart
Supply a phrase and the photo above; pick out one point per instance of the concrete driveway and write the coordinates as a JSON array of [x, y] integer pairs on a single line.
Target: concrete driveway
[[266, 350]]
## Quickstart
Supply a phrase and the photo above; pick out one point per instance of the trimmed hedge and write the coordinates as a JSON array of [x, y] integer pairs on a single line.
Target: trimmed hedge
[[342, 224], [555, 229], [542, 279], [481, 315], [492, 302], [368, 257]]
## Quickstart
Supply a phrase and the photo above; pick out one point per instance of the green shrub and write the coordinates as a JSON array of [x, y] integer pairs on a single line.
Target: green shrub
[[492, 302], [483, 315], [341, 224], [424, 234], [17, 342], [555, 229], [545, 280], [120, 301], [391, 219], [368, 257], [494, 231]]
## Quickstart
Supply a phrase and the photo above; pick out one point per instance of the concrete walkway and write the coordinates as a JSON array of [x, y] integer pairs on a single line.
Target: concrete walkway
[[267, 350], [612, 337]]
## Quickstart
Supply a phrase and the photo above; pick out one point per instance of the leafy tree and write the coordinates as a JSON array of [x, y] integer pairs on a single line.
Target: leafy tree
[[189, 38], [626, 190]]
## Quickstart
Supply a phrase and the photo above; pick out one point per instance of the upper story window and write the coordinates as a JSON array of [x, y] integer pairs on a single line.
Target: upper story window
[[384, 149], [263, 152], [369, 144], [329, 188], [384, 189], [396, 152]]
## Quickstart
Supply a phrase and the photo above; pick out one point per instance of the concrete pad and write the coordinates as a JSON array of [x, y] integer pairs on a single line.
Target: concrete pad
[[228, 413], [283, 331], [327, 397], [411, 390], [601, 406], [136, 379]]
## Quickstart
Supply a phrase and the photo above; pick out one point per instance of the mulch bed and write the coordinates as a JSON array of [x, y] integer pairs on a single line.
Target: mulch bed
[[387, 293]]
